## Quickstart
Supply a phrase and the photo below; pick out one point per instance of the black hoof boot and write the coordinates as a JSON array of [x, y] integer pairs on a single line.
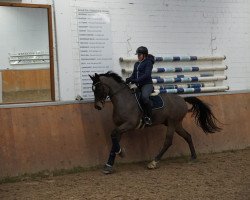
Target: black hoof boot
[[121, 153], [107, 169], [193, 157]]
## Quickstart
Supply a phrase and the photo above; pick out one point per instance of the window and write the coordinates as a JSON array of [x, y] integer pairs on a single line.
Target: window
[[26, 53]]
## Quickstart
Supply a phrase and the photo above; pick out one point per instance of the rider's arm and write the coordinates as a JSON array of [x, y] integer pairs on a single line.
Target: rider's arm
[[132, 77]]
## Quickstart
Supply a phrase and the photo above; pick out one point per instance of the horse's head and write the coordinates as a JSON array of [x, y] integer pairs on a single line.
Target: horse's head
[[100, 90]]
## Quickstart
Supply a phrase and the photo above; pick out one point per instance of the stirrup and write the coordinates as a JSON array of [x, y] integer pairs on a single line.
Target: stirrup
[[147, 120]]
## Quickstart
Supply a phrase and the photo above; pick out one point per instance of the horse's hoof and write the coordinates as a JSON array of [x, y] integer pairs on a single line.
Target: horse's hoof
[[107, 169], [121, 153], [153, 165], [193, 158]]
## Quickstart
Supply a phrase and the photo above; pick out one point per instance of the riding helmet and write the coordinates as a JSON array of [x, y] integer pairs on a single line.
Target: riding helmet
[[142, 50]]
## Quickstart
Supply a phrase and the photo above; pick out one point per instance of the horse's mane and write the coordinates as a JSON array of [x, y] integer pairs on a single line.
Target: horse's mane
[[115, 76]]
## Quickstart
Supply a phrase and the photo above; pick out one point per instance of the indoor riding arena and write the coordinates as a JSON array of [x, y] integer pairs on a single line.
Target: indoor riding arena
[[73, 124]]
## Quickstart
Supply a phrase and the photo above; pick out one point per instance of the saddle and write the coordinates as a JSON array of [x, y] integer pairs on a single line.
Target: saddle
[[156, 100]]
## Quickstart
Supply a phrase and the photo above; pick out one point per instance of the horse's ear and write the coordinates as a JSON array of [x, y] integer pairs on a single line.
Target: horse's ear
[[92, 78], [96, 75]]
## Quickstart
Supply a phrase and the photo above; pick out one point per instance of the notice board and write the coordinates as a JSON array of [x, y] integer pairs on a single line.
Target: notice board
[[95, 44]]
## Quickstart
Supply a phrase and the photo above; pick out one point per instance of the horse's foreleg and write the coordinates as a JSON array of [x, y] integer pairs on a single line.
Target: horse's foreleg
[[167, 144], [115, 137], [116, 149]]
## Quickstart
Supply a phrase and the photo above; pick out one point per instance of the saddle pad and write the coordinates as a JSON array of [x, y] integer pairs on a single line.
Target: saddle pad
[[156, 100]]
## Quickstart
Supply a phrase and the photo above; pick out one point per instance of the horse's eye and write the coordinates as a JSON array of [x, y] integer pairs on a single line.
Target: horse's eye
[[93, 87]]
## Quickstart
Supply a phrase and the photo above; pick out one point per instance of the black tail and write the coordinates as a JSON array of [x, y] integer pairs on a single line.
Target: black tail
[[204, 117]]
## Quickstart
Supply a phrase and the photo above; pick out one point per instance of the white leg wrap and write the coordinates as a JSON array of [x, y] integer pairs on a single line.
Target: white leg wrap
[[119, 151], [153, 165]]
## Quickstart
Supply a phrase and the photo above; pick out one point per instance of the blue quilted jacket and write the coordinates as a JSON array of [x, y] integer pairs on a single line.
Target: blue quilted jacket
[[142, 71]]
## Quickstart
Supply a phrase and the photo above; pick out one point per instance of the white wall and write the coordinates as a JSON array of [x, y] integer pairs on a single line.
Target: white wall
[[22, 30], [166, 27], [172, 27]]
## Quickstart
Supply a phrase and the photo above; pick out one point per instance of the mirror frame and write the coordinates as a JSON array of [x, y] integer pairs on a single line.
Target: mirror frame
[[50, 36]]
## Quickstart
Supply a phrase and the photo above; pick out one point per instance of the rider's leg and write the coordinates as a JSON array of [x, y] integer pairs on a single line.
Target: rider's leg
[[146, 91]]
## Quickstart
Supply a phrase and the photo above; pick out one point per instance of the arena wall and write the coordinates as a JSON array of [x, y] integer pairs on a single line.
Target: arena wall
[[50, 137]]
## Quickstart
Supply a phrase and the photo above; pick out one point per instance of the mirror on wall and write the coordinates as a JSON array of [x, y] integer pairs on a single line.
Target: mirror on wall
[[25, 65]]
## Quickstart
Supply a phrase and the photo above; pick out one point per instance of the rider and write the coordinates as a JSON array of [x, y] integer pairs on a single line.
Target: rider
[[141, 76]]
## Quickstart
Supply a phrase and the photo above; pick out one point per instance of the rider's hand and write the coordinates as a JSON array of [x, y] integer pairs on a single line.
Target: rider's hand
[[128, 80], [133, 81]]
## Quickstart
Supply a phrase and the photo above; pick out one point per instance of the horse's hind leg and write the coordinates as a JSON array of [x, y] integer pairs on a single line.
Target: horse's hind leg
[[187, 137], [167, 144]]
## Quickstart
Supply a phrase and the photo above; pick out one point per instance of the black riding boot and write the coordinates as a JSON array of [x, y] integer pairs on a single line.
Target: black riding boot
[[148, 114]]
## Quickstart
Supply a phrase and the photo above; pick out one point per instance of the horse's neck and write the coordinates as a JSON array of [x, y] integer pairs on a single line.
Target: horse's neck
[[119, 93], [124, 103]]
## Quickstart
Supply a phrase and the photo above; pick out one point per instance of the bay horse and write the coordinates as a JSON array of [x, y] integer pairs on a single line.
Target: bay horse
[[127, 115]]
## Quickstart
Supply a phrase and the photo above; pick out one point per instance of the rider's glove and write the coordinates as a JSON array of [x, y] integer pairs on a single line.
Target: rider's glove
[[133, 81], [128, 80]]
